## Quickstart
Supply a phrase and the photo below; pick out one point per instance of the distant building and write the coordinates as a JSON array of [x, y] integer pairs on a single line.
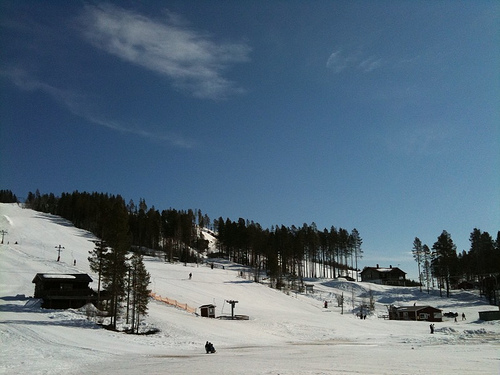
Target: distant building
[[207, 311], [63, 291], [384, 276], [427, 313], [309, 288], [489, 315]]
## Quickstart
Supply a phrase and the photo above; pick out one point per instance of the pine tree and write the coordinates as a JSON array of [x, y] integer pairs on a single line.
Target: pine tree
[[114, 270], [417, 255], [140, 291], [96, 263], [444, 259], [426, 256], [333, 247], [113, 277], [343, 238], [356, 244]]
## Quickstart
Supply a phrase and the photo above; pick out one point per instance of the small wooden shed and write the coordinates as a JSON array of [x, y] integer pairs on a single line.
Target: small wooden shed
[[309, 288], [207, 311]]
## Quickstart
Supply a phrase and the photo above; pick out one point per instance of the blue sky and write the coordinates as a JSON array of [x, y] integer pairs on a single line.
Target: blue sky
[[376, 115]]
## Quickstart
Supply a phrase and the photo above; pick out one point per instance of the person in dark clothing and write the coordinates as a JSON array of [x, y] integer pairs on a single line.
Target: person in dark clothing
[[432, 328], [209, 347]]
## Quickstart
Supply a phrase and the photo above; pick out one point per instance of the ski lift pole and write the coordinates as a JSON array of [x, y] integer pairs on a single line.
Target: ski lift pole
[[232, 303], [3, 232], [59, 249]]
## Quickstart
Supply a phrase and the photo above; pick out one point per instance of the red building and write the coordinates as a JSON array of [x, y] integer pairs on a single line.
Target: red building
[[426, 313]]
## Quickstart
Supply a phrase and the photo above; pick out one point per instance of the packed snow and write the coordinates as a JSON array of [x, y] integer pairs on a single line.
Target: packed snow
[[58, 276], [286, 332]]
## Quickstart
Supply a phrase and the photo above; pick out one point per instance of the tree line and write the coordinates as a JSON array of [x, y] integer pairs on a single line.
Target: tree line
[[7, 196], [290, 253], [285, 254], [442, 264]]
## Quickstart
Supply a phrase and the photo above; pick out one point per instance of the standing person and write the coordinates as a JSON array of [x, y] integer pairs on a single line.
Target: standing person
[[190, 275], [432, 328], [211, 347], [463, 316]]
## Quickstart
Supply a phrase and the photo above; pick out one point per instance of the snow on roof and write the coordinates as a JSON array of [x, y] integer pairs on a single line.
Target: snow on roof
[[58, 276], [75, 277], [384, 269], [416, 308]]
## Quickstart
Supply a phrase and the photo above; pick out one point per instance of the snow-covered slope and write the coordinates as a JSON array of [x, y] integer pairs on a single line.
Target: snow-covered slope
[[285, 334]]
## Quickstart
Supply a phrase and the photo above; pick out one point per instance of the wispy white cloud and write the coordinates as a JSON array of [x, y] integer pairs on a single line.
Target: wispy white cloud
[[193, 61], [339, 61], [336, 62], [419, 140], [79, 106], [370, 64]]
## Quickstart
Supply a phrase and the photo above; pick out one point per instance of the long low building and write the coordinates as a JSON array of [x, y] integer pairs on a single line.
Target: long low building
[[426, 313]]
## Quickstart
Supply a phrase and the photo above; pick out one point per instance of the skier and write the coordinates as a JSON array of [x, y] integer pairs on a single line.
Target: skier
[[209, 347]]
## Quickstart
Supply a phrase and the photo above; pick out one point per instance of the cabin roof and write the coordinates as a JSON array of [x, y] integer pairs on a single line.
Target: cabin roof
[[416, 308], [207, 306], [68, 277], [384, 270]]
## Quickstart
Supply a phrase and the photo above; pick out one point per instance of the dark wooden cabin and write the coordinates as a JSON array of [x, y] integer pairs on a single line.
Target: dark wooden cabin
[[207, 311], [384, 276], [63, 291]]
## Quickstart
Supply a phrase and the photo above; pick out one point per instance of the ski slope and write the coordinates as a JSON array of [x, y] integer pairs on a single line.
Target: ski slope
[[287, 333]]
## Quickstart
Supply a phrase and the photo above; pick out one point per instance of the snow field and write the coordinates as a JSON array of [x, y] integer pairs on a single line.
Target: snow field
[[285, 334]]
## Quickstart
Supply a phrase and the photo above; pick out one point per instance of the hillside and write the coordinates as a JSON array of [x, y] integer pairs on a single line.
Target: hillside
[[285, 334]]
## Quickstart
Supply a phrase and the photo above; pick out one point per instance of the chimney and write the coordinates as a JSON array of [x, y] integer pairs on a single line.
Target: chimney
[[390, 266], [377, 265]]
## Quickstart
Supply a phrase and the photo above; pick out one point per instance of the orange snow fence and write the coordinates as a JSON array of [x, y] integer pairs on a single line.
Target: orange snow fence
[[173, 302]]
